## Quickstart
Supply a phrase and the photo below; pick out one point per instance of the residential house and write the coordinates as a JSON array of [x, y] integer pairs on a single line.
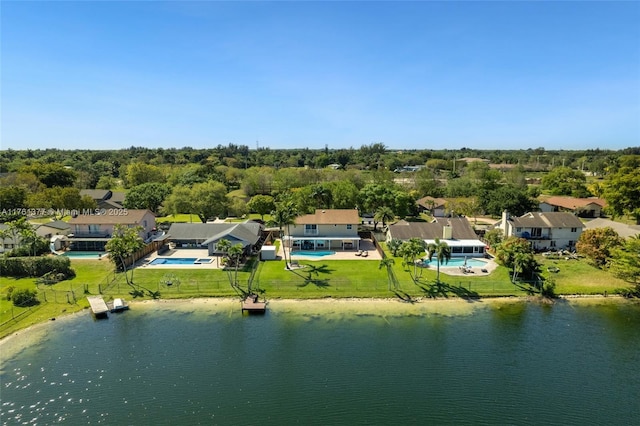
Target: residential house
[[545, 230], [49, 229], [55, 232], [435, 206], [91, 232], [9, 242], [105, 198], [199, 235], [325, 229], [456, 232], [582, 207], [624, 230]]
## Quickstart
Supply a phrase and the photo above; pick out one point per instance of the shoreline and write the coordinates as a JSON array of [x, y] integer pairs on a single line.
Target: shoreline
[[342, 307]]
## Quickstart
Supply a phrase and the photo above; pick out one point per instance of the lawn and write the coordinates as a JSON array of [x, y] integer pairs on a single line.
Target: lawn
[[316, 279], [577, 276]]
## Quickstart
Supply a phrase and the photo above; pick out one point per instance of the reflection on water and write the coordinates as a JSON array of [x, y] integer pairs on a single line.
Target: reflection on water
[[326, 362]]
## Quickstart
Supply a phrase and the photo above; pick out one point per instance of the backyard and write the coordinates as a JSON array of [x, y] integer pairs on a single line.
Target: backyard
[[359, 278]]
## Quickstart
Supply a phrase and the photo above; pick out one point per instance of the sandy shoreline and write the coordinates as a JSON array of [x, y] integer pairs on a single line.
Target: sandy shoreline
[[336, 308]]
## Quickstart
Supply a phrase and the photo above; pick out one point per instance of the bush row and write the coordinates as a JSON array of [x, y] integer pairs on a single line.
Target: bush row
[[20, 267]]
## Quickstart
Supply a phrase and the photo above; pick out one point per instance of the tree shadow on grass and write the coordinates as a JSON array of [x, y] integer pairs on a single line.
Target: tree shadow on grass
[[441, 289], [311, 272]]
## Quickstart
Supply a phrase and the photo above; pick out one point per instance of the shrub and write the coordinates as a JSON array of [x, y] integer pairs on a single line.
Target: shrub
[[24, 297], [20, 267]]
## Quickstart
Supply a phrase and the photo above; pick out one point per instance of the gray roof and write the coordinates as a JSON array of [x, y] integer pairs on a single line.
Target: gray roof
[[208, 232], [56, 224], [547, 220], [624, 230], [96, 194], [460, 229]]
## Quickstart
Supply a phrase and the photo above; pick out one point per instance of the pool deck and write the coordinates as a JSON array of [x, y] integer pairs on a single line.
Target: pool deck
[[145, 262]]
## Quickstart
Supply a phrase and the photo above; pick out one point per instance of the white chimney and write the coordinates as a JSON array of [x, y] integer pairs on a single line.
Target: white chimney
[[447, 232]]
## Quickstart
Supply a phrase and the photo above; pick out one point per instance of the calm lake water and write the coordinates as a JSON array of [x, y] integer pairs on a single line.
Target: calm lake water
[[464, 363]]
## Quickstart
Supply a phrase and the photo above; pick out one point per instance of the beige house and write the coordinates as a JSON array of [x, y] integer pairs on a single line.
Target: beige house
[[325, 230], [91, 232], [553, 230]]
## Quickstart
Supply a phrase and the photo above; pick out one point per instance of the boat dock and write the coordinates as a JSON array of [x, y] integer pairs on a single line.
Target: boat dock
[[251, 304], [98, 306]]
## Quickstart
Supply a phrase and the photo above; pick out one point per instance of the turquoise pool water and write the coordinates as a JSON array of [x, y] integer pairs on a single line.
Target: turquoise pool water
[[173, 261], [459, 261], [318, 253], [84, 254]]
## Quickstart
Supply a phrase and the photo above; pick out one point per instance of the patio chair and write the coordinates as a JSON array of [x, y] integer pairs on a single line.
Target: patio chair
[[359, 253], [365, 253]]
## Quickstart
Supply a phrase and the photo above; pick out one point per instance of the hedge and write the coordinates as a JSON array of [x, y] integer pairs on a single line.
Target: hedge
[[20, 267]]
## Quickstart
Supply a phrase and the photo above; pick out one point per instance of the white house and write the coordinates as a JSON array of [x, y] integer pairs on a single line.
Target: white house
[[325, 229], [545, 230], [456, 232]]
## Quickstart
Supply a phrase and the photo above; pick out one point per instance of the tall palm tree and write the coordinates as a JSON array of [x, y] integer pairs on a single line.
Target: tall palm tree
[[383, 214], [235, 253], [387, 262], [283, 216], [443, 254]]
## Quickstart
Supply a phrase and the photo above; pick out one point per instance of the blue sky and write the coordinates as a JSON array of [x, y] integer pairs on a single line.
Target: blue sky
[[425, 75]]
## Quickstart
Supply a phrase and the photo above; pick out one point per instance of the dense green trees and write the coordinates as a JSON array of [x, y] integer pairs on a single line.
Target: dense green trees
[[598, 245], [261, 204], [565, 181], [149, 195], [622, 187], [625, 263]]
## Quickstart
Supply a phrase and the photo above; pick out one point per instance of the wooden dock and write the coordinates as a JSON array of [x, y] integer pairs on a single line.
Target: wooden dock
[[251, 304], [98, 306]]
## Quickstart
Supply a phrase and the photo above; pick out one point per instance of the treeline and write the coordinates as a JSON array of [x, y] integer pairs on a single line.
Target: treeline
[[222, 181]]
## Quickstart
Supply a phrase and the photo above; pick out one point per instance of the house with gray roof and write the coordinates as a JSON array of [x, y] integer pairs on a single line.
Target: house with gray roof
[[456, 232], [200, 235], [105, 198], [55, 227], [545, 230]]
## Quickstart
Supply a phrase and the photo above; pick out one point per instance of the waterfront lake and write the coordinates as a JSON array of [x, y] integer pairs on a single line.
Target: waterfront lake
[[330, 362]]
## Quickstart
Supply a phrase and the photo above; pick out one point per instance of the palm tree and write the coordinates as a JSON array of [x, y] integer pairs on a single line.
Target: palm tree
[[235, 253], [383, 214], [410, 251], [387, 262], [443, 254], [283, 216]]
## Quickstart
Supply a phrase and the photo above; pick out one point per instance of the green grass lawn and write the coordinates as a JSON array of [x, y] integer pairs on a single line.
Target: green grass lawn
[[316, 279], [579, 277], [179, 218]]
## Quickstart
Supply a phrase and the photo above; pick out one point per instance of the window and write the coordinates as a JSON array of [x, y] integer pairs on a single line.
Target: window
[[536, 232], [518, 230], [311, 230], [349, 226], [574, 229], [552, 243]]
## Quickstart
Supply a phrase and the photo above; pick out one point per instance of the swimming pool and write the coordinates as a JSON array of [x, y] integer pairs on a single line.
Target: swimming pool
[[459, 261], [173, 261], [318, 253], [84, 254]]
